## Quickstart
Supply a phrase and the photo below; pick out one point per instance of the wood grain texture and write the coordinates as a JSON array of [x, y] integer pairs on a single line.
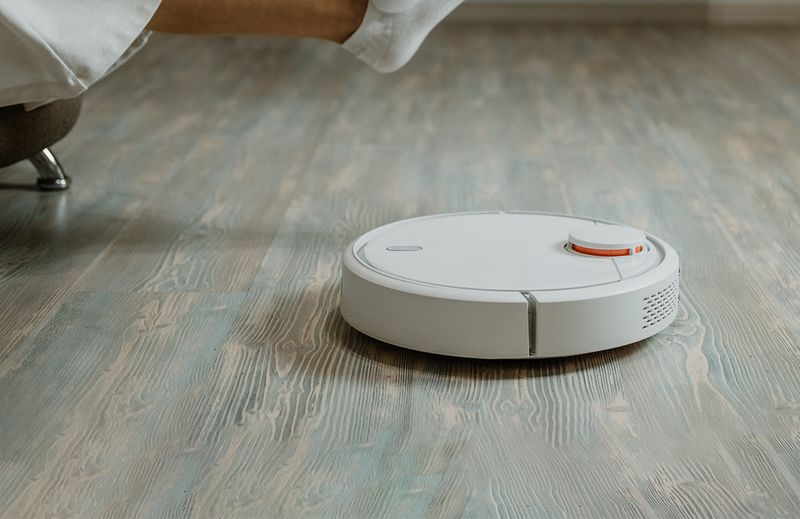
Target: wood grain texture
[[170, 344]]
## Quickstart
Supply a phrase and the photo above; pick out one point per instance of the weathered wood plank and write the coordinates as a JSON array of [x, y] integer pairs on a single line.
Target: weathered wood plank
[[47, 243]]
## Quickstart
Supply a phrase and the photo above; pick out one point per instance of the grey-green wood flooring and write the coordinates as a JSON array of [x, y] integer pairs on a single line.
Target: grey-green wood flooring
[[170, 344]]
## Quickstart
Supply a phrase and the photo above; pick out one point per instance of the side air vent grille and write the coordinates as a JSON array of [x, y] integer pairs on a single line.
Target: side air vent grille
[[657, 307]]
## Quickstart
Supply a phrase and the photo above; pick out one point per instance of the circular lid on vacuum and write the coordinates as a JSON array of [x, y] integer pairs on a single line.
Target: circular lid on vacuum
[[507, 251]]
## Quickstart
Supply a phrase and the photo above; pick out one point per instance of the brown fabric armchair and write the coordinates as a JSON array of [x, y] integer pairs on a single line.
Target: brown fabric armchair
[[27, 135]]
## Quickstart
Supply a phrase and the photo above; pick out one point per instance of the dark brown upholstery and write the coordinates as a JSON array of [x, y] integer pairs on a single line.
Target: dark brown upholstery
[[24, 134]]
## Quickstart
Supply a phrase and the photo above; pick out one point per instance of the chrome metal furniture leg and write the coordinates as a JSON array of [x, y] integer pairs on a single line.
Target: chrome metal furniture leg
[[51, 175]]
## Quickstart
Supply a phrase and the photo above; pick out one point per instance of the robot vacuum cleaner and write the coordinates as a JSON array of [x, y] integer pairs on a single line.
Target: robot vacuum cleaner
[[497, 285]]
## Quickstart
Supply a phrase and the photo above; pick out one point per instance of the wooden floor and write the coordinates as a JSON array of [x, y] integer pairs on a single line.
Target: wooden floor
[[170, 343]]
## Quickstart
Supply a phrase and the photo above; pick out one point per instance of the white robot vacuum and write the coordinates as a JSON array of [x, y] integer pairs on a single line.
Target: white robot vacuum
[[501, 285]]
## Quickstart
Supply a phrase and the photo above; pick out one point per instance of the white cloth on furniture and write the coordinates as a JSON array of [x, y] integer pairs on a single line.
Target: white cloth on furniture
[[51, 49]]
